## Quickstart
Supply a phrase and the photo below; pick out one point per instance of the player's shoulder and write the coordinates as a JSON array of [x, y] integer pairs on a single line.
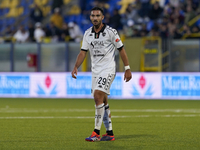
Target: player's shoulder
[[88, 30], [110, 29]]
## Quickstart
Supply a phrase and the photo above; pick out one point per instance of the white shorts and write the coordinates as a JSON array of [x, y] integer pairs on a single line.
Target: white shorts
[[102, 82]]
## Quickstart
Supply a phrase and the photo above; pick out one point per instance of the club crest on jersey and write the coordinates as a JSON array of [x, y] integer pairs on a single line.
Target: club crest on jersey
[[103, 33]]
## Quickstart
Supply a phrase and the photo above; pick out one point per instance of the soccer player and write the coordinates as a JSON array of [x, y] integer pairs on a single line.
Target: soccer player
[[102, 41]]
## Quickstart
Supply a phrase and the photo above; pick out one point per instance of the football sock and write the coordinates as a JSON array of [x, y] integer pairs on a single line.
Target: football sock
[[107, 120], [97, 131], [109, 132], [99, 116]]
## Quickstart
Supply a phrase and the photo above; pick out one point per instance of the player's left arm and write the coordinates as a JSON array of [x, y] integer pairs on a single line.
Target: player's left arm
[[123, 55], [119, 45]]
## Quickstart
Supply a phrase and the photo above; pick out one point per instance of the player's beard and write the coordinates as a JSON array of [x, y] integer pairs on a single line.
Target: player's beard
[[97, 25]]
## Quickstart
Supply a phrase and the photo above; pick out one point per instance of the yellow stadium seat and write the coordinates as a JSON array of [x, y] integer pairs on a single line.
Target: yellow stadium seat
[[41, 2], [15, 12], [66, 1], [38, 2], [124, 4], [14, 3], [46, 10], [5, 4], [75, 10], [9, 3], [107, 6], [153, 1], [21, 10]]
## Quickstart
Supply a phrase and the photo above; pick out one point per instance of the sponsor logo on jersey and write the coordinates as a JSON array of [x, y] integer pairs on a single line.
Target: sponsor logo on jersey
[[92, 44], [117, 40], [97, 43], [90, 34], [97, 53], [103, 33]]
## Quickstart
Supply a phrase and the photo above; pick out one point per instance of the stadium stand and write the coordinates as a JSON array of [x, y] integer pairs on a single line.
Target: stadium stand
[[134, 14]]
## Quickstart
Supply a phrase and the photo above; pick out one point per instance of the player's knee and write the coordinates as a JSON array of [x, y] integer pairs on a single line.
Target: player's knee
[[98, 97]]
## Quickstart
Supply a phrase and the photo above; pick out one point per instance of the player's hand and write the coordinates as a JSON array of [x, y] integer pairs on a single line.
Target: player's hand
[[74, 72], [127, 75]]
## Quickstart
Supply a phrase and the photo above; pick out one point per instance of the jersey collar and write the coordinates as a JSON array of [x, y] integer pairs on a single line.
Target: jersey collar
[[102, 29]]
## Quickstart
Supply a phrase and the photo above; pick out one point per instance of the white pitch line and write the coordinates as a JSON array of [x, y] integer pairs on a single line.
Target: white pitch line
[[32, 110], [159, 110], [64, 117], [87, 117]]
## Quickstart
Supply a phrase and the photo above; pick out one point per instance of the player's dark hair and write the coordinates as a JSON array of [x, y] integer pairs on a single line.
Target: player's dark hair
[[97, 8]]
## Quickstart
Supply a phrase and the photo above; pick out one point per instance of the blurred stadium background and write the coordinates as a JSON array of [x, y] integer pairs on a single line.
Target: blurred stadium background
[[39, 42], [160, 36], [165, 33]]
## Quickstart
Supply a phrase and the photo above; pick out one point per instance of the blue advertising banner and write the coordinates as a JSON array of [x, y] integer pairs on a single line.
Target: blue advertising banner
[[62, 85], [181, 85], [82, 86], [143, 86], [48, 85], [116, 87], [79, 86], [14, 85]]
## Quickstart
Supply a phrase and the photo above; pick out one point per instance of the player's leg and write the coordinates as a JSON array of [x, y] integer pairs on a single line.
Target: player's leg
[[107, 117], [100, 109], [105, 100], [99, 113], [109, 136], [100, 89]]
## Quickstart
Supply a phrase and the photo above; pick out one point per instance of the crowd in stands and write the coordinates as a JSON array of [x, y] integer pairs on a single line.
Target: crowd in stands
[[168, 19], [164, 18]]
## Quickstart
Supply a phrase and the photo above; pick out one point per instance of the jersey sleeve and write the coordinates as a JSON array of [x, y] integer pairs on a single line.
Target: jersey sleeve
[[116, 40], [85, 45]]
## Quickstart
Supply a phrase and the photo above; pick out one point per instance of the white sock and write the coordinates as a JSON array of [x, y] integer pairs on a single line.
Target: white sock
[[106, 119], [99, 116]]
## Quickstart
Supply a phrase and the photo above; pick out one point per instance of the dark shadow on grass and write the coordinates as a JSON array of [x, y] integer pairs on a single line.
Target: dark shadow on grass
[[120, 137], [118, 144]]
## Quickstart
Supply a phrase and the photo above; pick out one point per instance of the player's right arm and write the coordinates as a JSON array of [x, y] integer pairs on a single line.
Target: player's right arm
[[81, 56], [79, 60]]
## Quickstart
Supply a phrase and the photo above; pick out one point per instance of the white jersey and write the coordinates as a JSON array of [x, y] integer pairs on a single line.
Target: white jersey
[[102, 46]]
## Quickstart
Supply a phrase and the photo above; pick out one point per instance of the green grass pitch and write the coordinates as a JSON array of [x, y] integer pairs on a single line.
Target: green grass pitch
[[63, 124]]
